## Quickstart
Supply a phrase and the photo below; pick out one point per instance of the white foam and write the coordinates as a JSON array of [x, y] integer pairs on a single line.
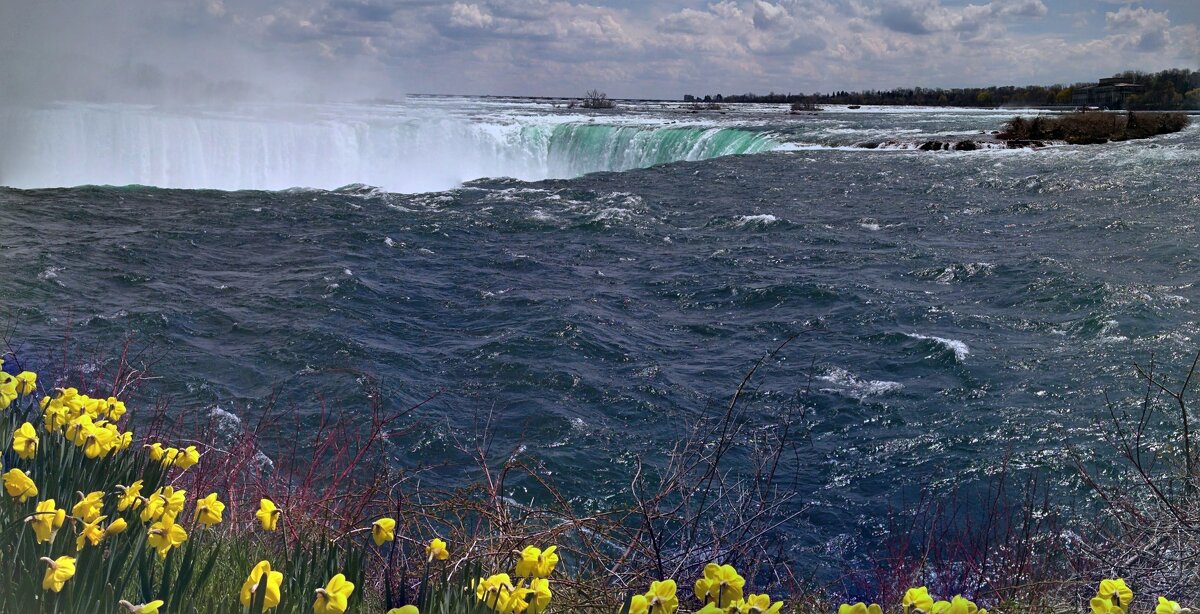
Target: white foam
[[51, 275], [616, 214], [960, 349], [844, 382], [762, 219]]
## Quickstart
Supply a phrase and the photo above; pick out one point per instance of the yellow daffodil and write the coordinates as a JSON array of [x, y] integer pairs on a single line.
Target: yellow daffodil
[[46, 520], [662, 598], [335, 597], [761, 604], [1100, 605], [146, 608], [1166, 606], [721, 584], [168, 456], [90, 532], [131, 496], [437, 550], [26, 382], [1115, 590], [156, 451], [187, 457], [55, 416], [487, 589], [163, 536], [270, 580], [539, 589], [917, 600], [99, 443], [97, 440], [153, 508], [25, 441], [639, 605], [383, 530], [77, 429], [957, 605], [711, 608], [268, 514], [164, 504], [8, 390], [88, 508], [173, 502], [19, 486], [860, 608], [117, 527], [115, 408], [537, 563], [514, 601], [58, 571], [209, 510], [527, 561], [408, 609]]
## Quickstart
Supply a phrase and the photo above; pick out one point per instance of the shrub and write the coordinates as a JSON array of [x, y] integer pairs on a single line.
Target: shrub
[[595, 99], [1093, 127]]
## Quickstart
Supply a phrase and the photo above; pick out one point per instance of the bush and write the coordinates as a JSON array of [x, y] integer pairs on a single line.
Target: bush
[[595, 99], [1093, 127]]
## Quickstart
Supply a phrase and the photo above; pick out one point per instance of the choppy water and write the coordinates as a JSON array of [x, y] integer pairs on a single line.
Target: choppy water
[[960, 304]]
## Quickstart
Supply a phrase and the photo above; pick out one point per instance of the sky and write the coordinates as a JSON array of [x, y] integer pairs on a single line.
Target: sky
[[210, 50]]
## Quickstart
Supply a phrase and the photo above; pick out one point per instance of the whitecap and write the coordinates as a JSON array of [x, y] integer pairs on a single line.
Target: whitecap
[[763, 219], [846, 383], [959, 348], [617, 214]]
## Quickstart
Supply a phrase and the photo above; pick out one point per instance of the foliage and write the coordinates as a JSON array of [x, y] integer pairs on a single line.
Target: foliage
[[1093, 127], [1165, 90], [133, 539], [595, 99]]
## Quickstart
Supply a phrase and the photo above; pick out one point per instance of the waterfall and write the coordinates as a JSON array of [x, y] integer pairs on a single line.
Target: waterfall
[[278, 148]]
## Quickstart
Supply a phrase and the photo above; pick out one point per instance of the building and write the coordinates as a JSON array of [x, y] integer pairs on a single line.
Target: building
[[1109, 93]]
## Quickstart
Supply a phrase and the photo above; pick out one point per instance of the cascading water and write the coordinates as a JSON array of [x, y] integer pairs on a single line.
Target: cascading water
[[396, 148], [577, 149]]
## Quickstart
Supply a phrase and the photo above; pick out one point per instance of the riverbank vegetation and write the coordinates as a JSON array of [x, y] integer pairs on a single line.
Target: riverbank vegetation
[[105, 512], [1172, 89]]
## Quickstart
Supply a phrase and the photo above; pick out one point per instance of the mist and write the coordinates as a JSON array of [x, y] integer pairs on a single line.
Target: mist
[[173, 52]]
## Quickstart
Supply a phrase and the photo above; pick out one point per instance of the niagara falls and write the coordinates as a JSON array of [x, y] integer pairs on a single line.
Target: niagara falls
[[537, 306]]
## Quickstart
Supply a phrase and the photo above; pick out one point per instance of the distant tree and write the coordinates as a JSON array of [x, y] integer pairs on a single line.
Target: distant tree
[[595, 99], [1164, 90], [1192, 99]]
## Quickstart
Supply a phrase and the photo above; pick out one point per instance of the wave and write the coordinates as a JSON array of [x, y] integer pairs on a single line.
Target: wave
[[841, 381], [399, 150], [958, 348]]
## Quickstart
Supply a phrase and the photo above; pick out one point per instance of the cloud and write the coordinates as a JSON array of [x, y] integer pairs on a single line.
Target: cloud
[[197, 50], [1139, 29], [920, 17], [469, 16]]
